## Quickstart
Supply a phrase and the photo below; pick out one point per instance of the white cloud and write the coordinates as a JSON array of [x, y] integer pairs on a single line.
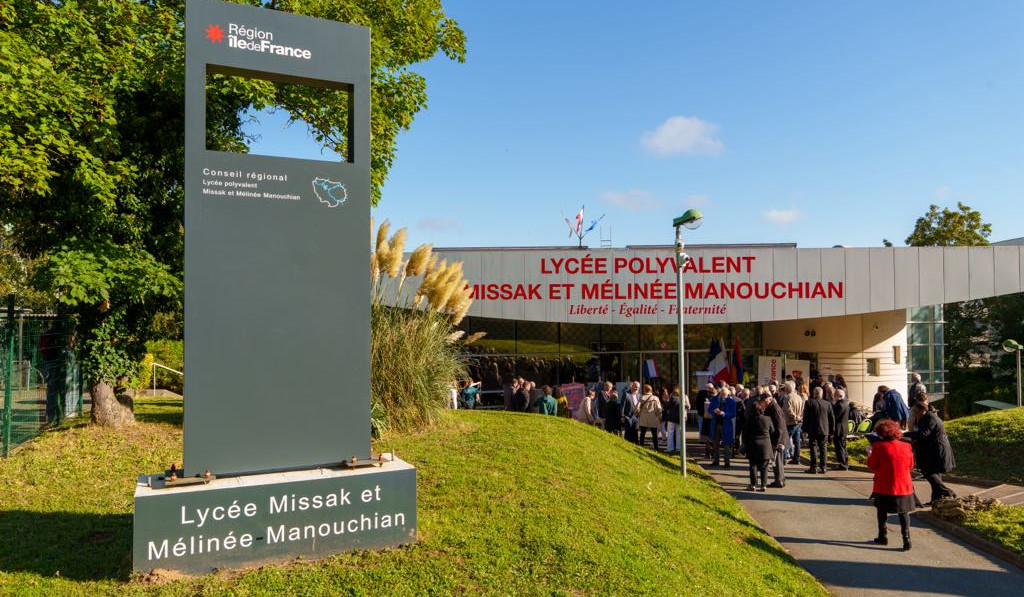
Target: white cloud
[[683, 135], [437, 224], [697, 200], [782, 217], [943, 193], [635, 200]]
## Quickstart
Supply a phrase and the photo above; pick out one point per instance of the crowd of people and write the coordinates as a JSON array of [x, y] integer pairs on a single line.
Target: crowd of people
[[767, 425]]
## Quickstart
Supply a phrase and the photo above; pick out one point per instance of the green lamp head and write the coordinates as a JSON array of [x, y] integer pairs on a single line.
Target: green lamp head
[[692, 219], [1010, 345]]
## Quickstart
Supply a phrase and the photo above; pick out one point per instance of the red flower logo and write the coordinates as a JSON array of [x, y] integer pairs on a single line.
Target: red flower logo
[[215, 34]]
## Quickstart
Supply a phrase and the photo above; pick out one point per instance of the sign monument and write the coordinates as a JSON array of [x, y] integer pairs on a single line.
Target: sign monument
[[277, 331]]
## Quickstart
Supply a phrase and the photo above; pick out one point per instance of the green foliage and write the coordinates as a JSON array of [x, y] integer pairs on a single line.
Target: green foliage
[[92, 137], [413, 364], [949, 228], [1002, 524], [144, 378], [508, 504], [169, 353]]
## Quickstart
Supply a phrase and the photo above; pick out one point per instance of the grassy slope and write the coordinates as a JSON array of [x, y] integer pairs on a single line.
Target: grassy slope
[[508, 504]]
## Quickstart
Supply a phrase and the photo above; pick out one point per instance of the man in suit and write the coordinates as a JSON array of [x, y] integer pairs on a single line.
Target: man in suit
[[841, 412], [819, 420]]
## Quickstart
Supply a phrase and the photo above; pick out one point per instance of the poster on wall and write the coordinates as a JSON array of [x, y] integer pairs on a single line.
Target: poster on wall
[[573, 394], [768, 368], [798, 369]]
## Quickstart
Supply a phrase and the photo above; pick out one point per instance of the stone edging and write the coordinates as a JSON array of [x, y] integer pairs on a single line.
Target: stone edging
[[975, 540]]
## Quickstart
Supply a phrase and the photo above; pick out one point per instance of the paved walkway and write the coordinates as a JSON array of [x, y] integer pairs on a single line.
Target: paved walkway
[[826, 522]]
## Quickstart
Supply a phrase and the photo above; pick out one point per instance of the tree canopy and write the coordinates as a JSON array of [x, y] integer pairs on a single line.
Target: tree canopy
[[946, 228], [92, 143]]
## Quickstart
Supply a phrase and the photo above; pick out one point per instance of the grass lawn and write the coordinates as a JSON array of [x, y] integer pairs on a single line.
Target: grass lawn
[[1004, 525], [509, 504]]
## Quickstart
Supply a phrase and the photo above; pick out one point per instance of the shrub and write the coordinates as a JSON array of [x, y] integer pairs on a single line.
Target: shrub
[[414, 349]]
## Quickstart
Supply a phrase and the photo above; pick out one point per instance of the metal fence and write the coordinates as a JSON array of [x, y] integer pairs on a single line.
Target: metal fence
[[39, 374]]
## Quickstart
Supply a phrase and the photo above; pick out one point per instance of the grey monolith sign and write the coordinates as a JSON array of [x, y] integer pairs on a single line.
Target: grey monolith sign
[[277, 323], [277, 280]]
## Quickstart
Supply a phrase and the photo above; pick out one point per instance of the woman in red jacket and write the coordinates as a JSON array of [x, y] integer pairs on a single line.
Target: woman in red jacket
[[891, 460]]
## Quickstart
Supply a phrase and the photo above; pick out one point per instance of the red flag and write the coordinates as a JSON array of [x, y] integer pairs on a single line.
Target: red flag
[[737, 360]]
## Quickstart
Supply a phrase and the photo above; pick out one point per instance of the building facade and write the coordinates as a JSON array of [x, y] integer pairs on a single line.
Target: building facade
[[562, 315]]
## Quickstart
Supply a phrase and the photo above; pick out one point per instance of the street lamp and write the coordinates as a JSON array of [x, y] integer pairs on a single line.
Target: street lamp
[[1014, 346], [692, 220]]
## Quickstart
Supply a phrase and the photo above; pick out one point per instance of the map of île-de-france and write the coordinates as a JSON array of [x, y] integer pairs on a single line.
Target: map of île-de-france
[[329, 192]]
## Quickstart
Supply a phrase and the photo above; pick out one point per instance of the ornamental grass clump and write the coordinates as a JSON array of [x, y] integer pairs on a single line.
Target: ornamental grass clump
[[415, 306]]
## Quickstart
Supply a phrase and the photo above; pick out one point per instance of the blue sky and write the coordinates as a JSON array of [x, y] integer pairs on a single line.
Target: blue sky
[[815, 122]]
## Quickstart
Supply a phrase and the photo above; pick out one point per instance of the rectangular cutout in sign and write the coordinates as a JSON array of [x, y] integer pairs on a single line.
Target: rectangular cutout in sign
[[278, 117]]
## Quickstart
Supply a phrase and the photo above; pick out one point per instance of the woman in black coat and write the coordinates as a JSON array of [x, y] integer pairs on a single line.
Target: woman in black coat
[[932, 451], [757, 440]]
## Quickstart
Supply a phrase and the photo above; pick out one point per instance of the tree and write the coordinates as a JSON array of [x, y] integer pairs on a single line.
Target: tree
[[949, 228], [92, 149]]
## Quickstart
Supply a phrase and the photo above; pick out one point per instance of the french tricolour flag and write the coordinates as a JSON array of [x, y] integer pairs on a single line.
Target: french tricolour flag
[[650, 369], [717, 365], [579, 220]]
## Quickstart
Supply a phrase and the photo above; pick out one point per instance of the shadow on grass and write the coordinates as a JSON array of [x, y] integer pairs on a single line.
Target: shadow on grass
[[73, 545], [165, 411]]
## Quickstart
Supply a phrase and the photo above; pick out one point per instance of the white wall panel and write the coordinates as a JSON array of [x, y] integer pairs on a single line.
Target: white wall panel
[[907, 280], [833, 269], [692, 277], [808, 269], [762, 268], [858, 281], [713, 278], [956, 273], [738, 309], [1007, 270], [932, 287], [883, 279], [981, 261], [785, 271]]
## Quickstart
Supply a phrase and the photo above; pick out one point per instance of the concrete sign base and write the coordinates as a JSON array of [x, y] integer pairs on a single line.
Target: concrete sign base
[[274, 517]]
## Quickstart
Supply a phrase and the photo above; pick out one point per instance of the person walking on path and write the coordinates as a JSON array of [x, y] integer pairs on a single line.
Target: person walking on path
[[893, 489], [841, 412], [757, 441], [723, 408], [649, 415], [819, 420], [932, 451]]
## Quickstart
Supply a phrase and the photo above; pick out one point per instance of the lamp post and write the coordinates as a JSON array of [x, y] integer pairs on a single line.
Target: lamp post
[[691, 219], [1014, 346]]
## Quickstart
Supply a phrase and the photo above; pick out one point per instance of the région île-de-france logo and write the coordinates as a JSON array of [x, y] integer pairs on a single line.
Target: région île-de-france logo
[[329, 192], [215, 34], [253, 39]]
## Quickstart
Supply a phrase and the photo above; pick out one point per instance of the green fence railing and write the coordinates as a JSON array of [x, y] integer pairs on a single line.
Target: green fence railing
[[39, 373]]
